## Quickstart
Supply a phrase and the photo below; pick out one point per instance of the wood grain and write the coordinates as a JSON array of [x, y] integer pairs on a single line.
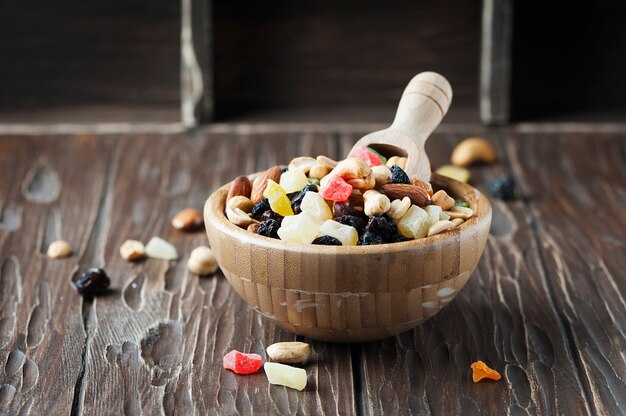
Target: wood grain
[[545, 308]]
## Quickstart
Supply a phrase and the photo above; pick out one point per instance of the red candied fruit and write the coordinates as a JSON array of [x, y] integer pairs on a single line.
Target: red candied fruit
[[336, 189], [242, 363], [367, 156]]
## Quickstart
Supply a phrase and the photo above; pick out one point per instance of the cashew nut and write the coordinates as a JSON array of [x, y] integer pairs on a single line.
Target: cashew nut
[[241, 202], [382, 174], [396, 160], [318, 171], [440, 226], [238, 217], [398, 208], [375, 203], [327, 162], [304, 163], [472, 150], [460, 212], [442, 199], [350, 169]]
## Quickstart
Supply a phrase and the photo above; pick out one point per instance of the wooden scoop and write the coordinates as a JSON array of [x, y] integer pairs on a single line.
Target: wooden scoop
[[423, 104]]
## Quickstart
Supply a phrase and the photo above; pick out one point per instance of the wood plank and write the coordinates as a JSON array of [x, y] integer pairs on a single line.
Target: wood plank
[[156, 344], [505, 316], [576, 186], [49, 189]]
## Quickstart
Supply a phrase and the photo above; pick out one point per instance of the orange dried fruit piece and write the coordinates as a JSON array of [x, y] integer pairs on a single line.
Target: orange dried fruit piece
[[481, 370]]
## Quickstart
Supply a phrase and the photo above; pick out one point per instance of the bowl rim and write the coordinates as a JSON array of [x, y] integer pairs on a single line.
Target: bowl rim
[[479, 203]]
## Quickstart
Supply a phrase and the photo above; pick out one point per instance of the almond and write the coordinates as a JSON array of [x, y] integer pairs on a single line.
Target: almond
[[260, 183], [424, 185], [240, 186], [416, 194], [187, 219], [442, 199]]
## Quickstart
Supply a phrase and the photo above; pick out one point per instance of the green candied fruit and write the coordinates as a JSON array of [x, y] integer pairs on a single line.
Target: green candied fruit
[[460, 203], [382, 158], [314, 181]]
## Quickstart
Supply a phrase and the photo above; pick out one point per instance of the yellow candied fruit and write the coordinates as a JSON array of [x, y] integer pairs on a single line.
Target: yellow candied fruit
[[277, 198]]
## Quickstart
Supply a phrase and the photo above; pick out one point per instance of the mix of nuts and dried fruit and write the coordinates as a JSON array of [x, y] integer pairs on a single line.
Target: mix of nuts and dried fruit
[[364, 199]]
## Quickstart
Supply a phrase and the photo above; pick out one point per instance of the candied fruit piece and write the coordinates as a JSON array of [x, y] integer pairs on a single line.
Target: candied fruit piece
[[326, 240], [316, 207], [366, 155], [481, 370], [269, 228], [242, 363], [398, 175], [433, 212], [414, 223], [454, 172], [382, 158], [298, 229], [336, 189], [285, 375], [277, 198], [344, 233], [293, 180]]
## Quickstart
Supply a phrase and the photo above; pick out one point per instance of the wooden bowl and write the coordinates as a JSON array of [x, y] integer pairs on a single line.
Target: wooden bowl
[[350, 294]]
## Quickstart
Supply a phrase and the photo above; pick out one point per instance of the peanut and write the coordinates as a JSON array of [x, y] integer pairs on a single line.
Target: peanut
[[59, 249], [132, 250]]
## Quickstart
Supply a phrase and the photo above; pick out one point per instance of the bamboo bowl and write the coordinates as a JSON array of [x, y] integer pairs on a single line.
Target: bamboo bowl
[[350, 294]]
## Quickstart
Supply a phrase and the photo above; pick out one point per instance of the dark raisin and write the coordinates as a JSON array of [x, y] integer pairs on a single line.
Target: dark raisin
[[354, 207], [93, 282], [297, 199], [383, 227], [283, 170], [399, 238], [503, 188], [269, 228], [271, 215], [327, 240], [259, 208], [351, 220], [398, 175], [368, 239]]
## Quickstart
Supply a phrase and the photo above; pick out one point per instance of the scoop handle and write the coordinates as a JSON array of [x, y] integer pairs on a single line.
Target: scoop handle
[[424, 103]]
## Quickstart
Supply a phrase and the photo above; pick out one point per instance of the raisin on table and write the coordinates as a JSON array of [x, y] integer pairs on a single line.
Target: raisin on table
[[503, 188], [93, 282]]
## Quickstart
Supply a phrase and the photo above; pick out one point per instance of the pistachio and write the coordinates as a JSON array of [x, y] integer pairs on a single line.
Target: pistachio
[[473, 150], [241, 202], [202, 261], [375, 203], [442, 199], [289, 352], [132, 250], [59, 249], [187, 219]]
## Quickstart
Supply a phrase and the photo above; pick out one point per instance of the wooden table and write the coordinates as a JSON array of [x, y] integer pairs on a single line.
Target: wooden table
[[546, 306]]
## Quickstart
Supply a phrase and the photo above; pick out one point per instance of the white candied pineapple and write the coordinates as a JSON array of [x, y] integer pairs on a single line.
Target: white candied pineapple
[[414, 224], [285, 375], [315, 207], [293, 180], [344, 233], [433, 212], [298, 229]]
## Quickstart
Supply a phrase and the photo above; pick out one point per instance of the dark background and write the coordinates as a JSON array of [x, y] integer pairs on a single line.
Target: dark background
[[71, 60]]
